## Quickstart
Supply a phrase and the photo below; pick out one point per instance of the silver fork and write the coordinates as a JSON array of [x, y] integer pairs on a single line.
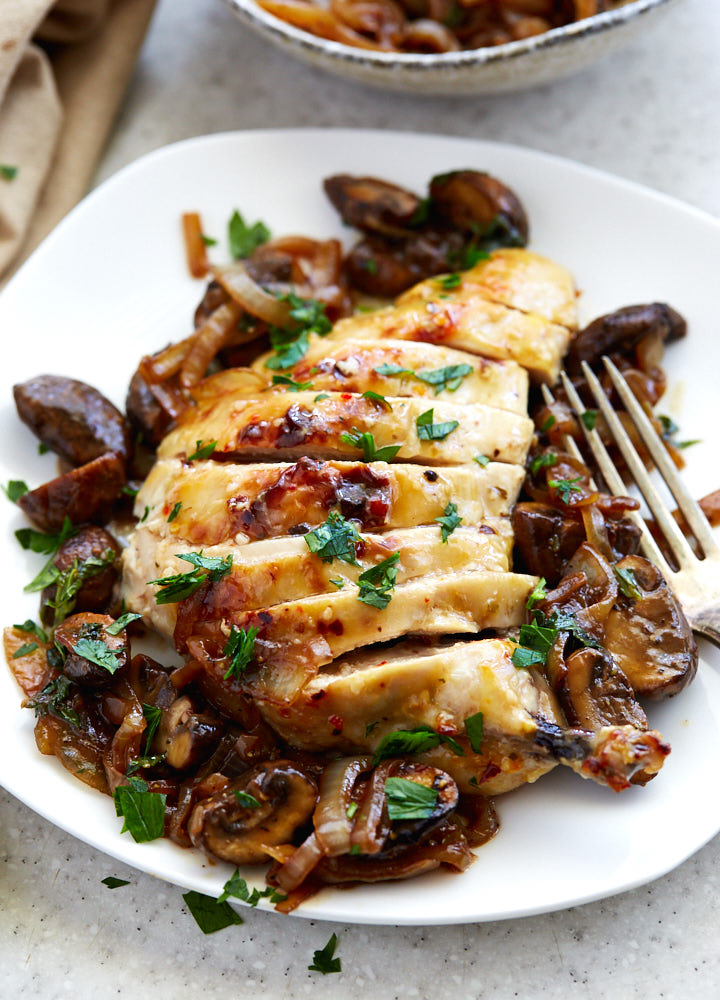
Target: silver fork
[[696, 582]]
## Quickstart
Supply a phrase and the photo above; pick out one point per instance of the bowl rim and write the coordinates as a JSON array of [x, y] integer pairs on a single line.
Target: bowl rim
[[417, 62]]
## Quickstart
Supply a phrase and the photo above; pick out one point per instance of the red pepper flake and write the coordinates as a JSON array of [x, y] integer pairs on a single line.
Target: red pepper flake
[[337, 722]]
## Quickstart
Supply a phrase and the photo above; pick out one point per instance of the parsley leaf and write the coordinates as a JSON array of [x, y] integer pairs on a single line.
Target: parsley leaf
[[246, 800], [290, 384], [181, 585], [143, 811], [627, 583], [95, 651], [336, 538], [537, 593], [548, 424], [238, 887], [69, 581], [544, 460], [449, 521], [564, 487], [449, 377], [589, 419], [472, 255], [54, 698], [365, 442], [122, 622], [210, 914], [32, 628], [244, 239], [217, 567], [376, 583], [153, 717], [429, 431], [393, 370], [323, 960], [174, 512], [408, 799], [202, 451], [15, 489], [376, 397], [405, 742], [474, 730], [209, 241], [240, 649], [27, 647], [291, 344], [481, 460], [7, 172], [449, 281], [38, 541], [114, 883]]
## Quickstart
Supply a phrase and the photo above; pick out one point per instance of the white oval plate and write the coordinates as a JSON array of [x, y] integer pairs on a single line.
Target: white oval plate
[[110, 284]]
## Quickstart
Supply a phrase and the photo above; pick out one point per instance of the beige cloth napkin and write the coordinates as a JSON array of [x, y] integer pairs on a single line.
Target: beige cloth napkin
[[64, 67]]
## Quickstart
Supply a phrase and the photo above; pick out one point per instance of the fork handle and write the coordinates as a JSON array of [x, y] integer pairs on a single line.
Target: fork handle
[[707, 623]]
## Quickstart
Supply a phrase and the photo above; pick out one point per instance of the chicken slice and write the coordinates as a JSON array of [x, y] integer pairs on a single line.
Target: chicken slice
[[352, 366], [278, 570], [290, 425], [222, 502], [357, 701], [518, 279], [297, 638]]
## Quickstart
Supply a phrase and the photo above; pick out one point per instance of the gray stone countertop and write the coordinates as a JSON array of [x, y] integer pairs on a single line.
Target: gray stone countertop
[[650, 114]]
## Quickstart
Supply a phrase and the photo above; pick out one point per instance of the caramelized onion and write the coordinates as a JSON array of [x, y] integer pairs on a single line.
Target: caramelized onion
[[333, 829], [595, 530], [247, 293], [300, 863]]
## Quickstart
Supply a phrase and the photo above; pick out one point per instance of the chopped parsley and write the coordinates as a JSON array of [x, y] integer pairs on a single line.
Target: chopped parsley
[[537, 638], [376, 583], [351, 810], [32, 628], [670, 429], [481, 460], [209, 241], [589, 419], [202, 451], [69, 582], [365, 442], [474, 730], [565, 487], [122, 623], [547, 424], [376, 397], [370, 265], [38, 541], [7, 172], [406, 742], [54, 698], [544, 460], [113, 883], [320, 396], [244, 239], [174, 512], [449, 521], [153, 717], [472, 255], [627, 583], [181, 585], [429, 431], [291, 344], [95, 651], [409, 800], [537, 593], [27, 647], [239, 649], [143, 811], [449, 281], [291, 385], [210, 914], [238, 887], [246, 800], [15, 489], [450, 377], [323, 960], [336, 538]]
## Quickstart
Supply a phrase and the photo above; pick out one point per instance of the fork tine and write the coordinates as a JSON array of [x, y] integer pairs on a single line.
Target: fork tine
[[667, 523], [614, 480], [570, 446], [665, 466]]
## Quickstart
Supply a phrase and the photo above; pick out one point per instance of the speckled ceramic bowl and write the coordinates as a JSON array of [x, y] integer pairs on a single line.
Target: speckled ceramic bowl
[[513, 66]]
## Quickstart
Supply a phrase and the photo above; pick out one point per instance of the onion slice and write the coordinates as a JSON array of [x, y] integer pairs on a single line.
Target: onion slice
[[333, 829], [247, 293], [299, 865]]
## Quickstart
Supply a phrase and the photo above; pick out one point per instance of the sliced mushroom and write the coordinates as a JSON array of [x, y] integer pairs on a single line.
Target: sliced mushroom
[[481, 206], [372, 205], [224, 827], [88, 631], [404, 832], [592, 690], [83, 494], [72, 418], [90, 542], [187, 736], [620, 331], [649, 636], [386, 268]]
